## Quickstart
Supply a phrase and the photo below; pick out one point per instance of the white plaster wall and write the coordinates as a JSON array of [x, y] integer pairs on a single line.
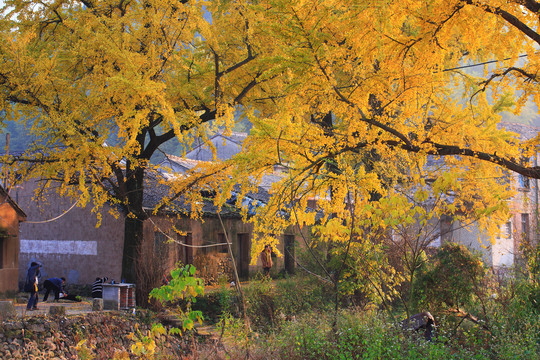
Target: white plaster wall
[[503, 252], [474, 240]]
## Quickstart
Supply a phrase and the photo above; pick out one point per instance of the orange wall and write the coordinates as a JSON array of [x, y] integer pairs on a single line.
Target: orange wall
[[9, 220]]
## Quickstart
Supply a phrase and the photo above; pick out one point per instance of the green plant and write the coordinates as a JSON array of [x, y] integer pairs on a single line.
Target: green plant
[[452, 280], [260, 303], [297, 295], [235, 329], [514, 331], [183, 286]]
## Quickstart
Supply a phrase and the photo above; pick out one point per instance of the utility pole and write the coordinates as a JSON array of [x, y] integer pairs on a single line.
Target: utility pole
[[5, 170]]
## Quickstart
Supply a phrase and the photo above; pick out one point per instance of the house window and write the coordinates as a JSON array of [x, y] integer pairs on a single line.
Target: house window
[[222, 240], [507, 230], [524, 182], [160, 243], [525, 227]]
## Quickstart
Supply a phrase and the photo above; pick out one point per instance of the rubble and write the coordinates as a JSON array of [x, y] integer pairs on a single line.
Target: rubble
[[103, 334]]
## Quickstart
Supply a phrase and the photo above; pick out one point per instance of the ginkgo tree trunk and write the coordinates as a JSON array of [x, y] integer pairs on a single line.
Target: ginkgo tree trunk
[[102, 85]]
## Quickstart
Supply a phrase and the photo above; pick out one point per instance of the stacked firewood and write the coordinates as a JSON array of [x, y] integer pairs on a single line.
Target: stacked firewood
[[213, 268], [225, 269]]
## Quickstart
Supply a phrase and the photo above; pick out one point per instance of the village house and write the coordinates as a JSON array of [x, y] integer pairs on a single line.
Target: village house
[[499, 252], [64, 236], [11, 216], [208, 237], [503, 251]]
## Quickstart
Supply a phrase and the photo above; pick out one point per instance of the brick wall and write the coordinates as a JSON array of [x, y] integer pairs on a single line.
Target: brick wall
[[69, 245]]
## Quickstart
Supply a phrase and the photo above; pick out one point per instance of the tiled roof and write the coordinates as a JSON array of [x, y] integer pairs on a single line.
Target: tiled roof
[[155, 191], [13, 204], [526, 132], [226, 146]]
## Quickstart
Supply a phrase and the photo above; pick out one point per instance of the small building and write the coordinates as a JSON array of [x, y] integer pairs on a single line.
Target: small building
[[11, 216], [504, 250], [64, 237], [172, 235]]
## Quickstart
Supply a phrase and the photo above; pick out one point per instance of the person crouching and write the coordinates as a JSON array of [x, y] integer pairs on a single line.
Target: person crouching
[[56, 285]]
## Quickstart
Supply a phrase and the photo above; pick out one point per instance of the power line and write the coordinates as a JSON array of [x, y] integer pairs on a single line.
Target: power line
[[181, 243], [481, 64], [55, 218]]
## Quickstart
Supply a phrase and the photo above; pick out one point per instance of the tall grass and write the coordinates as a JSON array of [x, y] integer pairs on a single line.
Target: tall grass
[[292, 319]]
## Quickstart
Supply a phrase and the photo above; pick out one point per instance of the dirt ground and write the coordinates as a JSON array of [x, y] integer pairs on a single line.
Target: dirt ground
[[71, 308]]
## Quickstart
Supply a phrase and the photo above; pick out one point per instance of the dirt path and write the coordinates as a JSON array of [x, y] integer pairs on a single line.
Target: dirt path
[[72, 308]]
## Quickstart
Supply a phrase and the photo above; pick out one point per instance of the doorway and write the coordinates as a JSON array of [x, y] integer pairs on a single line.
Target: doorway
[[289, 254], [244, 258]]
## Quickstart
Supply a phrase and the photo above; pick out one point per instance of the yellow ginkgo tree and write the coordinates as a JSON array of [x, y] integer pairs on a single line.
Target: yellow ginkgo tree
[[370, 92], [377, 102], [102, 85], [355, 99]]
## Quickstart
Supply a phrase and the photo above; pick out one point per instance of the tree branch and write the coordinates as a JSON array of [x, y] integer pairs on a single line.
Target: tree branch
[[511, 19]]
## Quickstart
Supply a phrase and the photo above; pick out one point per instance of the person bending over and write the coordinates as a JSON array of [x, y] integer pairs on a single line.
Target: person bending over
[[56, 285]]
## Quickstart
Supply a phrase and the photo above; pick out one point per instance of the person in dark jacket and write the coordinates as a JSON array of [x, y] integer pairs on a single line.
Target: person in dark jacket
[[97, 287], [56, 285], [31, 285]]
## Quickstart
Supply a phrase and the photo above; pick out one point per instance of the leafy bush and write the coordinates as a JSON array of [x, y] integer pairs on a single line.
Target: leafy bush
[[532, 272], [298, 295], [452, 280], [360, 335], [268, 302], [214, 304], [271, 302], [260, 303]]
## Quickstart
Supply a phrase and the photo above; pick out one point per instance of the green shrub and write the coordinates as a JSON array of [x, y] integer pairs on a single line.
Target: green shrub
[[515, 322], [306, 332], [260, 307], [452, 280], [269, 303], [216, 303], [186, 287], [298, 295], [360, 335]]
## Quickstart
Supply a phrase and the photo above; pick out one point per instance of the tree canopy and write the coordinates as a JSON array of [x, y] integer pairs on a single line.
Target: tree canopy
[[373, 112], [367, 105], [104, 84]]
